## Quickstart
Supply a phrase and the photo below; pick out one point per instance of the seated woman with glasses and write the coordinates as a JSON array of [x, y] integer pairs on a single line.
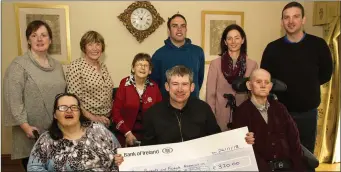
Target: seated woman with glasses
[[134, 96], [74, 143]]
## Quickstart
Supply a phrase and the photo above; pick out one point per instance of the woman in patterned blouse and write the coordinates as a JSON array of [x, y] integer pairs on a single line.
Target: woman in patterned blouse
[[89, 79], [73, 143], [134, 96]]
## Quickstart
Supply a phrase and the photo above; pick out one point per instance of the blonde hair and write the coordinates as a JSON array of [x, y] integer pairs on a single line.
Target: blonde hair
[[91, 37]]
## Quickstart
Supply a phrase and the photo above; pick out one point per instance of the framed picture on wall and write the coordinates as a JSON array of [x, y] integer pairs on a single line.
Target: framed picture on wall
[[320, 14], [56, 16], [213, 24]]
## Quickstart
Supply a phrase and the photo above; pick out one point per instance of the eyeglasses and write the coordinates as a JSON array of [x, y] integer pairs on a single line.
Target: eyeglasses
[[64, 108], [140, 65]]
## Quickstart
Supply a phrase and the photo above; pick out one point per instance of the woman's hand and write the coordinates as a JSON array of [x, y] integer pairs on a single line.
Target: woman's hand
[[29, 130], [96, 118], [104, 120], [118, 159], [250, 139], [101, 119], [130, 138]]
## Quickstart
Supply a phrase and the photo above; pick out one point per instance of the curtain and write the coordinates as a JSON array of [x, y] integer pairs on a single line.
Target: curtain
[[329, 109], [336, 153]]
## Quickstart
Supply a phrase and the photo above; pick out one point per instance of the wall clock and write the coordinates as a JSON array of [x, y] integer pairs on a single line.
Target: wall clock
[[141, 19]]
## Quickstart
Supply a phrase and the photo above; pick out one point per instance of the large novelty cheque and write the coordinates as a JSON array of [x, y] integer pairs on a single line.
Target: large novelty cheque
[[219, 152]]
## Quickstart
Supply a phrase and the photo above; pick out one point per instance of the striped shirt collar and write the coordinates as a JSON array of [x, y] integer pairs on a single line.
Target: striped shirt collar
[[131, 81]]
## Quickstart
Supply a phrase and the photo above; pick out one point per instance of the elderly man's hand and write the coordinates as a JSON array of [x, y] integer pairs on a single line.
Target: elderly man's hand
[[250, 139], [118, 158]]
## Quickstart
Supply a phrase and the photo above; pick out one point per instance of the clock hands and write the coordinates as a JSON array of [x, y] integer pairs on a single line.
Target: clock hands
[[143, 15], [141, 19]]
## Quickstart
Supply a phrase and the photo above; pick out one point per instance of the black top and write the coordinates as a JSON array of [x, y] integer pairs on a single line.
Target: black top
[[303, 66], [165, 124]]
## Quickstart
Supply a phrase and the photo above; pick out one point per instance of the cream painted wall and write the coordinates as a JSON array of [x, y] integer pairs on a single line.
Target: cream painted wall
[[261, 24], [309, 10]]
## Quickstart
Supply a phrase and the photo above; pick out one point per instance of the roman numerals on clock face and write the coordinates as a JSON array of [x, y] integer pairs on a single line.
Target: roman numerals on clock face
[[141, 19]]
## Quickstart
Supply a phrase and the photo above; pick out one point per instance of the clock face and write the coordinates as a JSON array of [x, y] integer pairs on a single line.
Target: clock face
[[141, 19]]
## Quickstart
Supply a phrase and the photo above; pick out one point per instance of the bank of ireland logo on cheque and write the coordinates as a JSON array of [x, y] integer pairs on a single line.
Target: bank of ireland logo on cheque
[[167, 150]]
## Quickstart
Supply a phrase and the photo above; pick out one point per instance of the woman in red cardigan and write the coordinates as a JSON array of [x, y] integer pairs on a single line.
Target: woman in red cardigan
[[134, 96]]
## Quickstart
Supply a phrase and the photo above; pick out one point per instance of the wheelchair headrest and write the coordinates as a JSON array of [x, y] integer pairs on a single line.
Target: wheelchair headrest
[[239, 85]]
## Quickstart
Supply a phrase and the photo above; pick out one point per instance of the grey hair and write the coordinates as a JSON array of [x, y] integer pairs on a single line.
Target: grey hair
[[179, 70]]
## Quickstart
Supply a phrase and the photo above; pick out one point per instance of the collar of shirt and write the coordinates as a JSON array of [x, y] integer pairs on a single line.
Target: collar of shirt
[[288, 41], [180, 110], [260, 107], [131, 81]]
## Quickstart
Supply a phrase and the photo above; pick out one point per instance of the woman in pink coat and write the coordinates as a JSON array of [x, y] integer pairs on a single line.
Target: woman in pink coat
[[232, 64]]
